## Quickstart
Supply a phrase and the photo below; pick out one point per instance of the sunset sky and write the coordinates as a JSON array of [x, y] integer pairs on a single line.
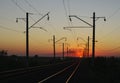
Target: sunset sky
[[12, 36]]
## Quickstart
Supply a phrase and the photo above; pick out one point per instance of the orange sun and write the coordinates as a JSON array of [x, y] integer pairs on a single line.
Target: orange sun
[[79, 53]]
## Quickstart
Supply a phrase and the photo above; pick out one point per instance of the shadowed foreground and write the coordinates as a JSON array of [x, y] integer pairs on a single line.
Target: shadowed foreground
[[104, 70]]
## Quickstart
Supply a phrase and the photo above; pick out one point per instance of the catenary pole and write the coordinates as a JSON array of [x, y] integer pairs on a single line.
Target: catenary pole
[[27, 39], [88, 45], [54, 54], [93, 41], [63, 49]]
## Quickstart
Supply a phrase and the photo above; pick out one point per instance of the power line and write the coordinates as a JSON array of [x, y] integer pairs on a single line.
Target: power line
[[109, 17], [30, 5], [69, 9], [115, 48], [107, 34], [52, 27], [15, 2], [6, 28], [67, 12], [24, 11], [113, 14], [68, 4], [38, 42]]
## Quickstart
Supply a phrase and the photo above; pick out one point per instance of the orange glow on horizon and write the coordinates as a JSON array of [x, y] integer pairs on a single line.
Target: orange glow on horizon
[[79, 53]]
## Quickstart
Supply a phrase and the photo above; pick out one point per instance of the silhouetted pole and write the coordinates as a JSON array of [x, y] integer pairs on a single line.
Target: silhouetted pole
[[54, 54], [67, 50], [27, 39], [88, 45], [27, 32], [84, 52], [63, 49], [93, 42]]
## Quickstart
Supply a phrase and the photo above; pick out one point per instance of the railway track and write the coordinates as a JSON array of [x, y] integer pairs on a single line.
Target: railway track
[[35, 74], [62, 76]]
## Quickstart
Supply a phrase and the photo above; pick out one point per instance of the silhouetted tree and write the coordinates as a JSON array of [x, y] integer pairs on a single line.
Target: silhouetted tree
[[3, 53], [36, 56], [13, 55]]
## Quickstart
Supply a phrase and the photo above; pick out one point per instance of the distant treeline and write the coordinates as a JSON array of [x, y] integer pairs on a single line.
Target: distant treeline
[[3, 53], [14, 62]]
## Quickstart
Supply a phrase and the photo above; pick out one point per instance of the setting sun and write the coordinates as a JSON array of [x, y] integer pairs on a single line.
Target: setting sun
[[79, 53]]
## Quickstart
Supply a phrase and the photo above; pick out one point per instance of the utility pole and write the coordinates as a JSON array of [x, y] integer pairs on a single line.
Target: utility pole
[[63, 49], [91, 25], [27, 36], [67, 45], [54, 47], [27, 39], [54, 44], [84, 52], [88, 45], [67, 51], [27, 33], [93, 41]]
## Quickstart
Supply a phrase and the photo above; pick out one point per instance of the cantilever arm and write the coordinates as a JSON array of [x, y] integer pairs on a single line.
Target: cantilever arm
[[80, 19]]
